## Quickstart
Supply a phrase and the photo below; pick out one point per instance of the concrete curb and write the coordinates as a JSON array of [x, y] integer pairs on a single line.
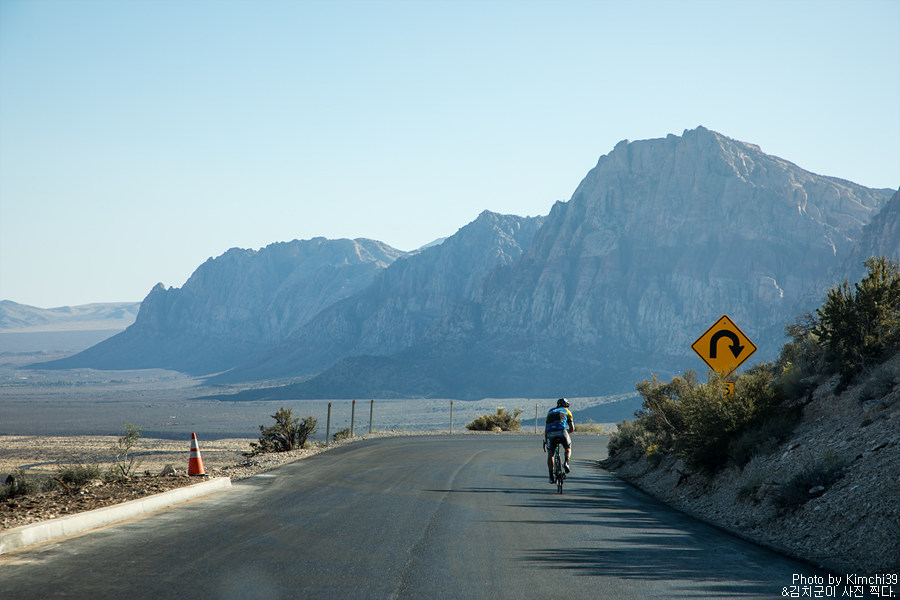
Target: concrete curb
[[27, 535]]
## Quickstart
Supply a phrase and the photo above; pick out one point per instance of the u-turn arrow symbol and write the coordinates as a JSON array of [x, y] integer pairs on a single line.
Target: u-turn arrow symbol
[[736, 347]]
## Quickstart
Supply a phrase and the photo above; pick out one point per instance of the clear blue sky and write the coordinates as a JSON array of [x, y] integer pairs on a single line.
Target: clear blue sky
[[139, 138]]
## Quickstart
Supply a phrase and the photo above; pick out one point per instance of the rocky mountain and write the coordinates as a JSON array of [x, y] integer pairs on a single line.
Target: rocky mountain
[[881, 237], [658, 241], [403, 302], [664, 236], [237, 303]]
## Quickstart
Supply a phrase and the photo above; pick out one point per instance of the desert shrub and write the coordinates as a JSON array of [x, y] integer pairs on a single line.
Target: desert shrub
[[801, 358], [78, 474], [343, 434], [882, 381], [17, 484], [288, 433], [749, 490], [709, 418], [813, 479], [125, 458], [661, 412], [75, 476], [698, 421], [632, 434], [623, 438], [654, 454], [859, 325], [763, 436], [502, 420], [712, 420], [591, 427]]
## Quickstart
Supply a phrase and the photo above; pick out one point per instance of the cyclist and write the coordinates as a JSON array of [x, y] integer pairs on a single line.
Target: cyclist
[[560, 423]]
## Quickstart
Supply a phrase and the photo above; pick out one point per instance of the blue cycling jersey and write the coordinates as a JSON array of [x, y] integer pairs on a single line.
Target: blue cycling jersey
[[558, 419]]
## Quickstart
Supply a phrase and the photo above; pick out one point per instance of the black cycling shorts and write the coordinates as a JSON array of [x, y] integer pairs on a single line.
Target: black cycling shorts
[[554, 438]]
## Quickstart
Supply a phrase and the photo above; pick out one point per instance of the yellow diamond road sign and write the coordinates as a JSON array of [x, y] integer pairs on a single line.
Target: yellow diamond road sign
[[724, 347]]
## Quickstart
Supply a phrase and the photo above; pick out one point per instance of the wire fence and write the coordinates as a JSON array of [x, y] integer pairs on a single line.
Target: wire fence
[[349, 418]]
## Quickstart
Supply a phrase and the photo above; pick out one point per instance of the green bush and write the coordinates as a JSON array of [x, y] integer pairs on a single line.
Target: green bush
[[502, 420], [288, 433], [801, 357], [661, 413], [343, 434], [859, 325], [77, 474], [74, 477], [699, 422], [631, 434]]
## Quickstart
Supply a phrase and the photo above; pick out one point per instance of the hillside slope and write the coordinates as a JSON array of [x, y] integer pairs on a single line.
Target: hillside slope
[[853, 526]]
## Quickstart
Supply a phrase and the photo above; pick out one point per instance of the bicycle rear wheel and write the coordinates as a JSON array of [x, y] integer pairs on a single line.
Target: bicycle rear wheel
[[560, 474]]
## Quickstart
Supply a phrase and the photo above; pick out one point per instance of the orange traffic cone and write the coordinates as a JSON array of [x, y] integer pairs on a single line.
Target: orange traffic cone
[[195, 464]]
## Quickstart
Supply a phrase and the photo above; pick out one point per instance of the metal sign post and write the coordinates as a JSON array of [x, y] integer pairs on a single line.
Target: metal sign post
[[352, 417], [328, 426]]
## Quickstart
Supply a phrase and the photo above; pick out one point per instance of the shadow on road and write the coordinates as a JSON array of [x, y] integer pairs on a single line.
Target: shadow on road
[[629, 535], [658, 543]]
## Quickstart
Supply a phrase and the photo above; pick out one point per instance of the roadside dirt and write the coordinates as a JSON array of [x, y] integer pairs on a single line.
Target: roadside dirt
[[40, 458]]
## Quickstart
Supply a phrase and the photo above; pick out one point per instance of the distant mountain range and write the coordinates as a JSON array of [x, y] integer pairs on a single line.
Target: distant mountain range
[[51, 331], [21, 318], [660, 239]]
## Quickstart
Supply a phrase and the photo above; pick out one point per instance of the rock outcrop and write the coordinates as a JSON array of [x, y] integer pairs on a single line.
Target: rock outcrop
[[660, 239], [881, 237]]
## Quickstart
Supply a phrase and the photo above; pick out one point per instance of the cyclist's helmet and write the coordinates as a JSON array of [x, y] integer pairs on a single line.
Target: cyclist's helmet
[[562, 402]]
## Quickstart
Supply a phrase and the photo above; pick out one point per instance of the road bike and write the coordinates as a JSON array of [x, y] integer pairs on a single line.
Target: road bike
[[559, 472]]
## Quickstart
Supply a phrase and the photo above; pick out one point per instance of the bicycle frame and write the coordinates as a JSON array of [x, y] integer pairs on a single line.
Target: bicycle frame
[[559, 472]]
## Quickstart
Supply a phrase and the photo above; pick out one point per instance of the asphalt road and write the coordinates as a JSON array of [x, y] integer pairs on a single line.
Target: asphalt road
[[468, 516]]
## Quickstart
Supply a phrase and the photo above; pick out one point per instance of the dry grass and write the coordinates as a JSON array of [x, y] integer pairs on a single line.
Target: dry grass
[[41, 455]]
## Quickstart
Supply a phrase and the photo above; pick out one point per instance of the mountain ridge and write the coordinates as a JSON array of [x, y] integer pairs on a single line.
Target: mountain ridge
[[659, 239], [17, 317], [234, 303], [550, 320]]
